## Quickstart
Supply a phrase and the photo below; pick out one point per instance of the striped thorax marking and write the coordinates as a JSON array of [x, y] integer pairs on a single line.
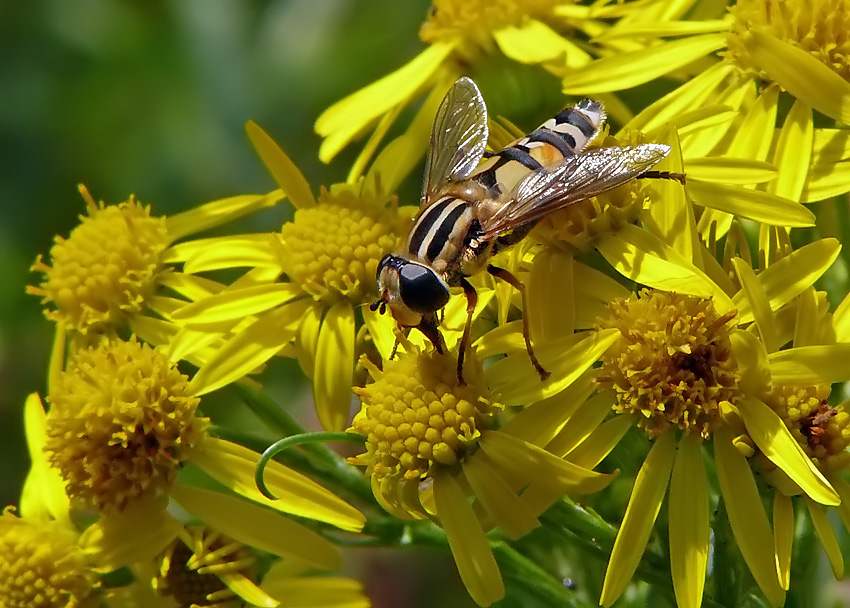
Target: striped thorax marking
[[439, 231]]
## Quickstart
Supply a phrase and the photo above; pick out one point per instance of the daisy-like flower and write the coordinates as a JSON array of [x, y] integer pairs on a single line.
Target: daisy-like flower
[[766, 48], [432, 443], [328, 256], [684, 369], [42, 562], [205, 568], [109, 274], [460, 34], [123, 422]]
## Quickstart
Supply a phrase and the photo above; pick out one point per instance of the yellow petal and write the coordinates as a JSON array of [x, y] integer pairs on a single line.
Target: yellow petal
[[776, 442], [823, 364], [746, 515], [136, 534], [381, 329], [539, 466], [755, 133], [759, 304], [291, 181], [591, 283], [497, 497], [752, 204], [626, 70], [841, 320], [783, 535], [257, 527], [801, 74], [674, 220], [581, 424], [728, 170], [189, 250], [349, 115], [688, 520], [237, 303], [43, 496], [190, 286], [793, 152], [533, 42], [690, 95], [250, 348], [644, 503], [641, 256], [218, 212], [233, 466], [334, 367], [827, 537], [517, 383], [806, 327], [314, 591], [826, 181], [540, 421], [786, 278], [550, 303], [664, 29], [246, 589], [604, 439], [255, 251], [470, 548]]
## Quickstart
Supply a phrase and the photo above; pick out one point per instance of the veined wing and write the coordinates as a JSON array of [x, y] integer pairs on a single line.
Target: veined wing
[[574, 179], [458, 138]]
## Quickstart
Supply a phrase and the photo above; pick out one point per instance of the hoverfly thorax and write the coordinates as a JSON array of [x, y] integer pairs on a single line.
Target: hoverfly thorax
[[472, 209]]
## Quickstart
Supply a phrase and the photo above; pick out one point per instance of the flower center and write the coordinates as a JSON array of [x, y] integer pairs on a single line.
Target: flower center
[[186, 573], [332, 250], [41, 565], [819, 27], [673, 363], [106, 268], [821, 430], [474, 21], [120, 423], [417, 417], [581, 224]]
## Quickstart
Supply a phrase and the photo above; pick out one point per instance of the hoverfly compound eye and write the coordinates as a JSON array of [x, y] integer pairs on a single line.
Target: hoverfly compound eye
[[421, 289]]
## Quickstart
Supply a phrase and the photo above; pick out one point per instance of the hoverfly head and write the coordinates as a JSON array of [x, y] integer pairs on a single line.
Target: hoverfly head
[[410, 289]]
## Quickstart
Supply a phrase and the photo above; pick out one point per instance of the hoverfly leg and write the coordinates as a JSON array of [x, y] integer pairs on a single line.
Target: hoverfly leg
[[679, 177], [428, 327], [398, 333], [471, 303], [501, 273]]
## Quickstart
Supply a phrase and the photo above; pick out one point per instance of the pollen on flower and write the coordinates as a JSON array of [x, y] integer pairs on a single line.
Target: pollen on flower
[[820, 27], [332, 250], [475, 21], [121, 423], [821, 430], [41, 565], [106, 268], [189, 567], [580, 224], [416, 416], [673, 363]]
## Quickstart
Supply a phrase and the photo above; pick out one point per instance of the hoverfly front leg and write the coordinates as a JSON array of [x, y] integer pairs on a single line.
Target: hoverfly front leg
[[501, 273], [679, 177], [471, 303]]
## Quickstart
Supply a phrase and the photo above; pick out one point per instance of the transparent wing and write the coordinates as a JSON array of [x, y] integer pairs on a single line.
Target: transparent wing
[[575, 179], [458, 138]]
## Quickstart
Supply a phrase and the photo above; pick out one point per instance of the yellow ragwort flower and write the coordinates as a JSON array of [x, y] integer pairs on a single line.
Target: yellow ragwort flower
[[122, 425], [108, 274]]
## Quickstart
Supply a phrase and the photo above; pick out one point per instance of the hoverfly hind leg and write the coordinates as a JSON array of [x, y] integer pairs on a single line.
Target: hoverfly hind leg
[[471, 303], [501, 273], [679, 177]]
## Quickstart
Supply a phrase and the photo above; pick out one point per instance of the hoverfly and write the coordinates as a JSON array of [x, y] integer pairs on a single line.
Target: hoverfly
[[471, 211]]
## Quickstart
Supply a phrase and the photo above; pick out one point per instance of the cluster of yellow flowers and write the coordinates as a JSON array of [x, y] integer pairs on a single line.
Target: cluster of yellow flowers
[[691, 350]]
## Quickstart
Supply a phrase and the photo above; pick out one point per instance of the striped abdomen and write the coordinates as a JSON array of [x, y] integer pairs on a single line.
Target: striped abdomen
[[439, 232], [565, 134]]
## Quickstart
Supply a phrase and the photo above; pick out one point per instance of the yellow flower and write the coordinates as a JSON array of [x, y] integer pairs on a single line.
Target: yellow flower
[[123, 423], [109, 273], [206, 568], [685, 364], [432, 443], [42, 562], [328, 255], [460, 35]]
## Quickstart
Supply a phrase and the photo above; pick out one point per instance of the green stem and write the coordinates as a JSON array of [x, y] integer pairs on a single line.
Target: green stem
[[259, 443], [524, 573]]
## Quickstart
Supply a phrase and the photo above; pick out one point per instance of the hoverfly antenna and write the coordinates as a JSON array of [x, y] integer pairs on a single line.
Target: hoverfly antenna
[[376, 304]]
